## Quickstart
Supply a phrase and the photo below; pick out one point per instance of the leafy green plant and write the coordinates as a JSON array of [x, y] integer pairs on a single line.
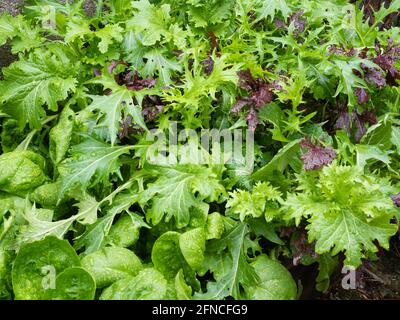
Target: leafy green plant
[[309, 88]]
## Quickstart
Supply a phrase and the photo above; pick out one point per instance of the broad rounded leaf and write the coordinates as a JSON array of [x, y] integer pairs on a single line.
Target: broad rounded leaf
[[73, 284], [149, 284], [193, 244], [37, 262], [111, 264], [275, 281], [124, 233], [166, 254], [21, 171]]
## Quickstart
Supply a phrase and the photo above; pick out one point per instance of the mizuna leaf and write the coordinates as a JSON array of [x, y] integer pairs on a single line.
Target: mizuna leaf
[[227, 260], [265, 9], [111, 108], [41, 79], [151, 21], [91, 162], [173, 194], [159, 63]]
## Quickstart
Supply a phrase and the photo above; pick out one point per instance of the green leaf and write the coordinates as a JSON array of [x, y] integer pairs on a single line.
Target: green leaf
[[192, 244], [151, 21], [226, 258], [275, 281], [96, 235], [166, 254], [326, 266], [183, 291], [159, 63], [91, 162], [367, 152], [348, 212], [7, 29], [279, 162], [111, 109], [379, 134], [266, 9], [21, 171], [40, 226], [173, 194], [262, 201], [350, 232], [124, 233], [60, 136], [209, 13], [215, 226], [42, 78], [348, 80], [149, 284], [111, 264], [73, 284], [31, 266]]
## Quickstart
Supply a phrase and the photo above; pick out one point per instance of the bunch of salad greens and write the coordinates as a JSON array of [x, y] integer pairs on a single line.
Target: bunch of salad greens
[[85, 213]]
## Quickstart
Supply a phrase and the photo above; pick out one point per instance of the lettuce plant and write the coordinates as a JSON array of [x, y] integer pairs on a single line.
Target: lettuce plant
[[114, 119]]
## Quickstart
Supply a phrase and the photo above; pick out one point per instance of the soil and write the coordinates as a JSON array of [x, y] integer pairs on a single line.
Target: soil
[[13, 8], [374, 280]]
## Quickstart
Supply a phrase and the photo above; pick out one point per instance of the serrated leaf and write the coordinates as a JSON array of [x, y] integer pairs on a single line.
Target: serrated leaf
[[227, 260], [173, 193], [91, 162], [31, 83]]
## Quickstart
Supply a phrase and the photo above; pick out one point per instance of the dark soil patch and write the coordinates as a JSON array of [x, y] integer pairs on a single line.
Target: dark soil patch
[[375, 280]]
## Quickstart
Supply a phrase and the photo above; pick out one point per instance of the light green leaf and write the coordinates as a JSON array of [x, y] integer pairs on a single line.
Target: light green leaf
[[21, 171], [42, 78], [265, 9], [159, 63], [166, 254], [275, 281], [92, 162], [173, 194], [215, 226], [192, 244], [183, 291], [73, 284], [60, 136], [111, 264], [149, 284], [31, 266]]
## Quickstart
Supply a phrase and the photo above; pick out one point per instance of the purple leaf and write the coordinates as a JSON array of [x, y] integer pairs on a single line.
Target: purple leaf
[[280, 24], [97, 72], [125, 127], [360, 121], [152, 106], [362, 95], [396, 199], [133, 81], [298, 21], [263, 96], [240, 104], [375, 76], [112, 66], [208, 65], [252, 119], [344, 120], [246, 80], [317, 156]]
